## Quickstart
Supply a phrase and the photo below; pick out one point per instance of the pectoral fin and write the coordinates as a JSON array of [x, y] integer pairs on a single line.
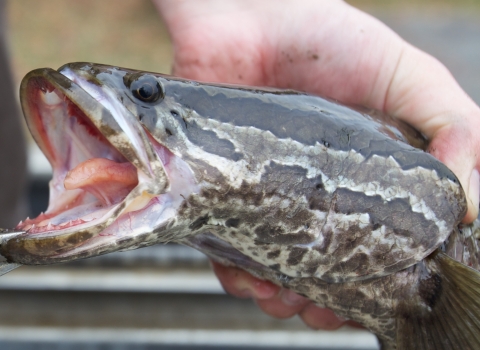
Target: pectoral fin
[[444, 313]]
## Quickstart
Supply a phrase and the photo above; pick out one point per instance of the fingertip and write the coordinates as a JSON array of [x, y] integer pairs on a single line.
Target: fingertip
[[291, 298], [277, 308], [241, 284], [320, 318], [263, 289]]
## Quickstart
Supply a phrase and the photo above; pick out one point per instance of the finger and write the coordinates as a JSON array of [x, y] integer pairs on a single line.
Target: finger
[[283, 305], [242, 284], [319, 318]]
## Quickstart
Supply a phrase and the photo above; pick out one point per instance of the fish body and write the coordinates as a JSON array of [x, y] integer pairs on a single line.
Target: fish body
[[342, 206]]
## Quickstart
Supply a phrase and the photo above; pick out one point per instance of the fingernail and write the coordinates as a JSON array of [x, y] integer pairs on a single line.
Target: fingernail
[[291, 298], [264, 289]]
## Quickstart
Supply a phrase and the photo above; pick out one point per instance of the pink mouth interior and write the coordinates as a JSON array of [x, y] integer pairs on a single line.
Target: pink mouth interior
[[107, 180], [89, 174]]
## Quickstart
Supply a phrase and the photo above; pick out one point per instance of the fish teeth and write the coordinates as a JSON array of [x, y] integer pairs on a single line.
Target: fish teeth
[[51, 98]]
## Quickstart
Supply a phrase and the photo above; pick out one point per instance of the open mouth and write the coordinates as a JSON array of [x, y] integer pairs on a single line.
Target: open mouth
[[90, 176], [105, 165]]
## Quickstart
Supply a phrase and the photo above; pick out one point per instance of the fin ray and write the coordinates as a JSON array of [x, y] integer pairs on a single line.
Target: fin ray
[[444, 313]]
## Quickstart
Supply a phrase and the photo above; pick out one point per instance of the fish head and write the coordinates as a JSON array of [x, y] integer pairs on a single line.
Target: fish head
[[107, 133]]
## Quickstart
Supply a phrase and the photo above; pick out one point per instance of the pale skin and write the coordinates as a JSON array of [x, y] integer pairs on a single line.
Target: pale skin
[[327, 48]]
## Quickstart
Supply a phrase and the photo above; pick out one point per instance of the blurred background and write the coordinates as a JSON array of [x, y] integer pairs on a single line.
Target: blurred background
[[165, 297]]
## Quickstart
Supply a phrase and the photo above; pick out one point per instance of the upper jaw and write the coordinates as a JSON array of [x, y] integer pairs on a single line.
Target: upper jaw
[[71, 124]]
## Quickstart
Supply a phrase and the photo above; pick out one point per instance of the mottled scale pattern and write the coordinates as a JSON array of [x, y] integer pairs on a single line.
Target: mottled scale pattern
[[308, 198], [336, 204]]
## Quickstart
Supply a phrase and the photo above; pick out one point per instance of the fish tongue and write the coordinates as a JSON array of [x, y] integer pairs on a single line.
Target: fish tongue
[[107, 180]]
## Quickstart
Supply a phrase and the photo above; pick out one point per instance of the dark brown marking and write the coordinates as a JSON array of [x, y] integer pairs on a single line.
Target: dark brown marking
[[274, 234], [273, 255], [359, 263], [319, 201], [296, 255], [275, 267], [430, 289], [202, 220], [232, 222]]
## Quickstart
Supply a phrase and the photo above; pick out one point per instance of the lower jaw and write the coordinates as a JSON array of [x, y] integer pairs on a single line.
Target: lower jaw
[[126, 232]]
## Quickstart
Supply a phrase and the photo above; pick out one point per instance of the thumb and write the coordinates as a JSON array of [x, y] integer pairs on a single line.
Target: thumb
[[457, 147], [425, 94]]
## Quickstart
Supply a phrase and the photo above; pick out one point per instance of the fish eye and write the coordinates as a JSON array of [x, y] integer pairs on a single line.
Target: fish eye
[[147, 89]]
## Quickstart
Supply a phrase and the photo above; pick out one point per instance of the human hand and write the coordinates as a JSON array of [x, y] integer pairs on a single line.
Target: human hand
[[332, 49], [276, 301]]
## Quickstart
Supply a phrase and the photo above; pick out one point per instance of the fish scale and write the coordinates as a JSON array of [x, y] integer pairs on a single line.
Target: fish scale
[[337, 204]]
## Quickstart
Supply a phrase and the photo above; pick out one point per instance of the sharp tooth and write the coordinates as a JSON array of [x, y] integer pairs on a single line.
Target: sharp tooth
[[49, 226], [21, 222], [51, 98]]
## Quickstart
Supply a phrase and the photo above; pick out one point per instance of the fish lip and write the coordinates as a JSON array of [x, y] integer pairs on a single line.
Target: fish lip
[[44, 247]]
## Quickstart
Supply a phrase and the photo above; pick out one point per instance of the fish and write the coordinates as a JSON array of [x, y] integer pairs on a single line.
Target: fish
[[340, 204]]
